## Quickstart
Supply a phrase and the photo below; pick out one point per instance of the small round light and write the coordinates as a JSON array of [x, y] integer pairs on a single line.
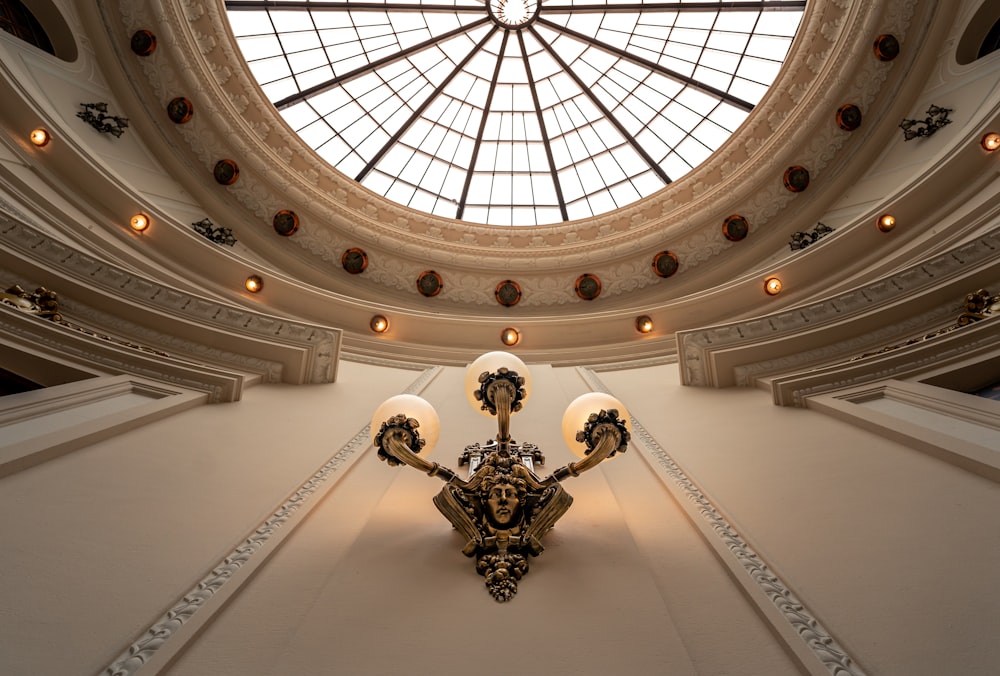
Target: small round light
[[254, 284], [40, 137], [644, 324], [510, 337], [990, 141], [379, 324], [139, 222], [772, 286], [886, 222]]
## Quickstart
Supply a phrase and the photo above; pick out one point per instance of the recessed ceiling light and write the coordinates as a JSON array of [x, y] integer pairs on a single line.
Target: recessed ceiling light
[[886, 222], [40, 137], [254, 284], [139, 222]]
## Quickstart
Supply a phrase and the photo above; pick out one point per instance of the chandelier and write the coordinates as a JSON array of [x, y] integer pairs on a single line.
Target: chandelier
[[503, 509]]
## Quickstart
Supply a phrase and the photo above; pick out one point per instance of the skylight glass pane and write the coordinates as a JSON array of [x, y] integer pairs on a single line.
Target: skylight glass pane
[[567, 115]]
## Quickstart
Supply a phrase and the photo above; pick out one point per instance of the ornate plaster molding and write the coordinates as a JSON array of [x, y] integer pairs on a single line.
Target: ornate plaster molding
[[307, 352], [976, 339], [801, 630], [60, 343], [711, 356], [199, 58], [174, 628]]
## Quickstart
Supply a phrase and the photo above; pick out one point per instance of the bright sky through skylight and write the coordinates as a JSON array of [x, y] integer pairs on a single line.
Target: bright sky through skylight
[[511, 112]]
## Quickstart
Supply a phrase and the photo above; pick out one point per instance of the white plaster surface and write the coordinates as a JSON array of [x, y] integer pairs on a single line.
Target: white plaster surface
[[895, 551]]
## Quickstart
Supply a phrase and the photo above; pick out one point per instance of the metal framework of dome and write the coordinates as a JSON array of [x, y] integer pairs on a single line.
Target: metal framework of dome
[[514, 112]]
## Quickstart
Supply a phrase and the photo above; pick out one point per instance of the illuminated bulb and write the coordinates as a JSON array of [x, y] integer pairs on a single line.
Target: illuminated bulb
[[40, 137], [139, 222], [578, 412], [991, 141], [886, 222], [379, 324], [492, 362], [254, 284], [772, 286], [510, 337], [643, 324], [414, 407]]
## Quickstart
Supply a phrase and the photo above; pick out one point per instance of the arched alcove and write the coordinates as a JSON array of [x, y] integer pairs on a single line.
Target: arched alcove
[[41, 24], [982, 34]]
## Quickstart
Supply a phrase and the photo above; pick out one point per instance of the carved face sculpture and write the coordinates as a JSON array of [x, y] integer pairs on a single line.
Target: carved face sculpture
[[503, 506]]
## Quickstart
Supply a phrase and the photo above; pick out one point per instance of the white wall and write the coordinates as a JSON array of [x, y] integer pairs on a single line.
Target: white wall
[[892, 550]]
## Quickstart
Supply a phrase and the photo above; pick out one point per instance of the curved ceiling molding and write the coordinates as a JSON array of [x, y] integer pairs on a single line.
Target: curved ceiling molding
[[238, 121]]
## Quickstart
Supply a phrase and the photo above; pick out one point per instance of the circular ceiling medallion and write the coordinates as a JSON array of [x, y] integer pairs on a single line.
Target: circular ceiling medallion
[[508, 293], [429, 283], [886, 47], [513, 13], [736, 228], [285, 223], [849, 117], [143, 43], [588, 287], [180, 110], [665, 264], [226, 172], [354, 261], [796, 178]]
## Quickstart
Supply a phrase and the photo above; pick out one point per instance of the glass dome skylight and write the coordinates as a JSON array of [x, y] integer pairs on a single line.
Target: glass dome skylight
[[514, 112]]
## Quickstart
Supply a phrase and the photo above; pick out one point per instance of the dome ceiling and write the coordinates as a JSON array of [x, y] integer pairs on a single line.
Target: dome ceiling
[[515, 112], [573, 289]]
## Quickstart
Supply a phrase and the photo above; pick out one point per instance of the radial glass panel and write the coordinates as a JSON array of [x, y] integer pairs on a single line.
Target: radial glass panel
[[514, 112]]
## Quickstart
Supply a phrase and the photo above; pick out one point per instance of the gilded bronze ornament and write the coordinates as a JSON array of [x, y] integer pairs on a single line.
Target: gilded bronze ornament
[[354, 261], [508, 293], [976, 307], [849, 117], [665, 264], [285, 223], [96, 115], [800, 240], [41, 302], [207, 229], [429, 283], [886, 47], [735, 228], [504, 509], [937, 117], [143, 43], [180, 110], [796, 178], [588, 286], [226, 172]]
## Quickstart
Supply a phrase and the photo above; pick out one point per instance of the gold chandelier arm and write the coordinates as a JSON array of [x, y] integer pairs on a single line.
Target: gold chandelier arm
[[608, 440], [395, 442], [502, 393]]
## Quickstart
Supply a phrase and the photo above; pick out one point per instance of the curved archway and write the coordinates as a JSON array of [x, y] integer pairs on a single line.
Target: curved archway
[[41, 24]]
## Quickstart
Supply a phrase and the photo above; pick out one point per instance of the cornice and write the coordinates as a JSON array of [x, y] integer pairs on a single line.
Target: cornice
[[736, 353], [204, 330]]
